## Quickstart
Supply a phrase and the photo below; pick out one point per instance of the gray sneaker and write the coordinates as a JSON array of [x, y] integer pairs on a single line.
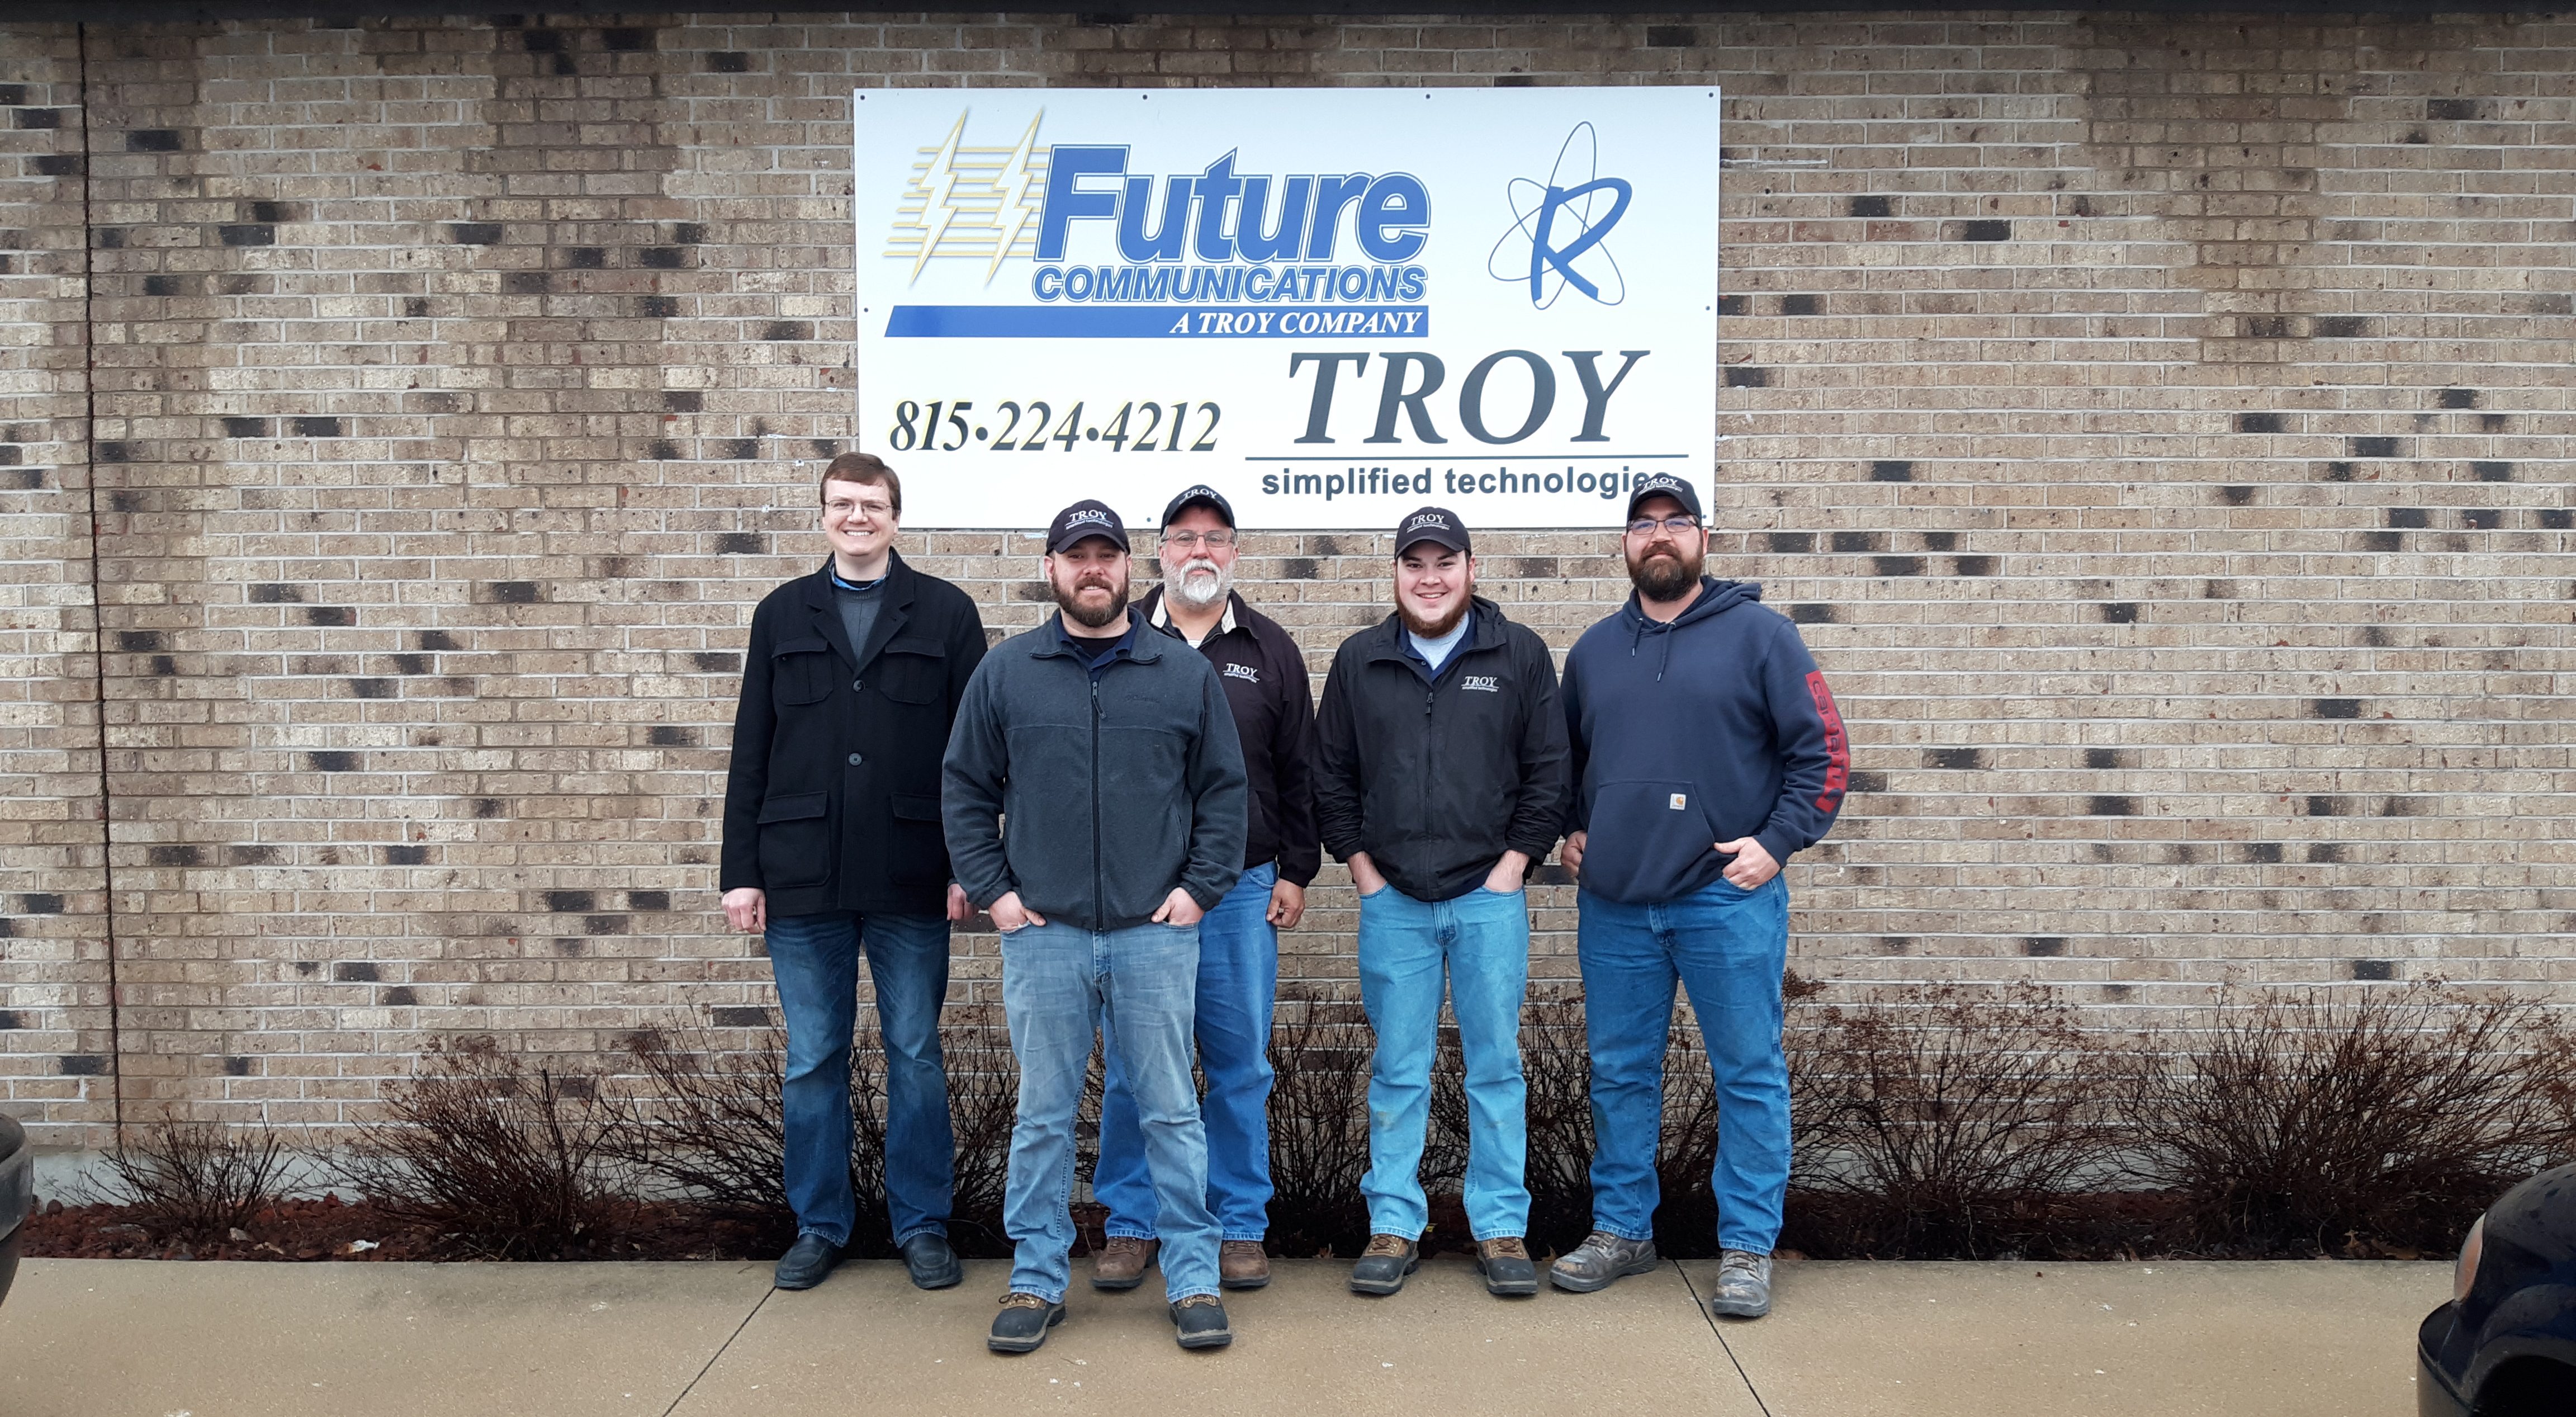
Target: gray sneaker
[[1743, 1285], [1604, 1257]]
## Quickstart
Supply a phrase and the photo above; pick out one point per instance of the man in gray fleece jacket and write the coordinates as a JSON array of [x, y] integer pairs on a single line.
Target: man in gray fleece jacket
[[1110, 752]]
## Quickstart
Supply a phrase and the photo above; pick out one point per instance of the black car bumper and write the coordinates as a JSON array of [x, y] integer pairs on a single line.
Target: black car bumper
[[2436, 1394]]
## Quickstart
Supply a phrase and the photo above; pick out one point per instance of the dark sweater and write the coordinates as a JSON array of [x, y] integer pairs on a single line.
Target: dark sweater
[[1709, 728], [1264, 675], [1116, 786]]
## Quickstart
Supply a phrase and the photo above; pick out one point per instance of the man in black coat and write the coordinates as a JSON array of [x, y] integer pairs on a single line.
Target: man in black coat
[[833, 846], [1441, 776]]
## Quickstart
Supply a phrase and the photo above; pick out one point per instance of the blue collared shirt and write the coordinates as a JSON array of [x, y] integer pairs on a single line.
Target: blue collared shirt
[[1098, 655]]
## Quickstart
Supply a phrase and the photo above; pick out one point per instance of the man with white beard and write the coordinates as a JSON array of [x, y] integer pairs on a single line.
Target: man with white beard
[[1264, 676]]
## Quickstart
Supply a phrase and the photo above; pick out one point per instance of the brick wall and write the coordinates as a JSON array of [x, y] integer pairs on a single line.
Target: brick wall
[[2156, 424]]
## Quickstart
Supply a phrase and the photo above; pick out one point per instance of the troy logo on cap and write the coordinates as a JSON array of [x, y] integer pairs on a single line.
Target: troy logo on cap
[[1202, 490], [1427, 519], [1087, 516]]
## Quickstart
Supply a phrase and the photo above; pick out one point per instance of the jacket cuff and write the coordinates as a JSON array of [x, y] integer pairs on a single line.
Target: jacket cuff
[[1777, 845], [1532, 846]]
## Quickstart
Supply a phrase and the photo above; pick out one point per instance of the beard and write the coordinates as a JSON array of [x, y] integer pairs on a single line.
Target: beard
[[1434, 629], [1092, 617], [1660, 575], [1200, 583]]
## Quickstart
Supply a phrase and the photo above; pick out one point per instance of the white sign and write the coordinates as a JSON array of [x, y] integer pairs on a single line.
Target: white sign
[[1332, 305]]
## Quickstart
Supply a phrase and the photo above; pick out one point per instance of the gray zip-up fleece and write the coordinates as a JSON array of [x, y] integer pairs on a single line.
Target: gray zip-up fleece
[[1115, 786]]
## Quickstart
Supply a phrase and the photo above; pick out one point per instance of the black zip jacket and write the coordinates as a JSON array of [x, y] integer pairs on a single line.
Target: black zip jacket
[[1264, 675], [1115, 787], [833, 799], [1435, 778]]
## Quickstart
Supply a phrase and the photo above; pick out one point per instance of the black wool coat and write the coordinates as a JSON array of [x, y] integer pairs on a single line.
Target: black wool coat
[[833, 799]]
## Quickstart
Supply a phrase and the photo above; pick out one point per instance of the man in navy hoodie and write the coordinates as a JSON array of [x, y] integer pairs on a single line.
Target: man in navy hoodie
[[1706, 749]]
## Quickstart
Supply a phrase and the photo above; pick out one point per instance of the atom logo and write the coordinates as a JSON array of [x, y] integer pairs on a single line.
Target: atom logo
[[1557, 226]]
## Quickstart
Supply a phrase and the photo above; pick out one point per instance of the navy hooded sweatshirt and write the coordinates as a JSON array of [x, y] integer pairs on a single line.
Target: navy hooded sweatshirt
[[1709, 728]]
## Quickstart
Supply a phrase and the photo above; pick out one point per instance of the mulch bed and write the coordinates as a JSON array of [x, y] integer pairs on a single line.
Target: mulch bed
[[2112, 1226]]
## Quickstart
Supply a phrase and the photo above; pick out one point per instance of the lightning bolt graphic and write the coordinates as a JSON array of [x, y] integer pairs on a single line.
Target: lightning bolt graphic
[[937, 212], [1024, 202]]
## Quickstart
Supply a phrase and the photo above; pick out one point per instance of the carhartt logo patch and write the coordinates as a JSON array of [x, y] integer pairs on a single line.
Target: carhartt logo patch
[[1678, 801], [1482, 683], [1244, 672]]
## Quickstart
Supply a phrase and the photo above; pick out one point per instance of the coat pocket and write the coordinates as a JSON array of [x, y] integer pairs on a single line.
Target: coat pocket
[[801, 671], [916, 853], [911, 670], [795, 840], [1646, 838]]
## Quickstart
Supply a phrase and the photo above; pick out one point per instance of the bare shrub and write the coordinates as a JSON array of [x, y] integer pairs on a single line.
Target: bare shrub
[[516, 1159], [2316, 1125], [195, 1181], [711, 1127], [1556, 1062], [983, 1103], [1320, 1051], [1950, 1122]]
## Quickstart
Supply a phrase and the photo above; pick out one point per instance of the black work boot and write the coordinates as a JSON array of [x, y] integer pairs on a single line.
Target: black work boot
[[932, 1264], [1199, 1322], [1023, 1323], [1505, 1263], [1381, 1267], [806, 1262]]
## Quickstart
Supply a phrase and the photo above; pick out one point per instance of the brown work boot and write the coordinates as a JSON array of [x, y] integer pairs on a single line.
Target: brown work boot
[[1122, 1262], [1242, 1264]]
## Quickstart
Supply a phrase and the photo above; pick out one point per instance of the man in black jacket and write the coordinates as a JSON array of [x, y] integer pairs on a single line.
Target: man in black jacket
[[1274, 715], [1110, 753], [1441, 776], [832, 845]]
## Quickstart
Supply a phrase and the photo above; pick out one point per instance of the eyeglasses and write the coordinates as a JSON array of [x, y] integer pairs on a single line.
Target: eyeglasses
[[877, 510], [1190, 540], [1645, 526]]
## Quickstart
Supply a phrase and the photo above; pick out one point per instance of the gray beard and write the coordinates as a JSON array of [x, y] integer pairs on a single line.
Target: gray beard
[[1093, 619], [1665, 577], [1220, 584]]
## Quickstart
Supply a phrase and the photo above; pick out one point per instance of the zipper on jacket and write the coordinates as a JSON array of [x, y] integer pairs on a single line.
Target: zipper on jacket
[[1099, 885]]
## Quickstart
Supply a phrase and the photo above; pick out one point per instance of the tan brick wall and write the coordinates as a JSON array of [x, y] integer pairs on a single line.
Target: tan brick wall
[[2157, 424]]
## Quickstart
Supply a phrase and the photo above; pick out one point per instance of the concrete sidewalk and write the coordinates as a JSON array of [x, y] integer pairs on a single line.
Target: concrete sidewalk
[[101, 1338]]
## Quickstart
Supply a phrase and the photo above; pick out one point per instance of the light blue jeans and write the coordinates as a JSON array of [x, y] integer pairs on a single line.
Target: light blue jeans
[[1062, 986], [1728, 947], [1238, 984], [1478, 945]]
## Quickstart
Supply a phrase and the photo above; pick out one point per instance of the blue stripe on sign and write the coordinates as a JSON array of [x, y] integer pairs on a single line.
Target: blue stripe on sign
[[1158, 322]]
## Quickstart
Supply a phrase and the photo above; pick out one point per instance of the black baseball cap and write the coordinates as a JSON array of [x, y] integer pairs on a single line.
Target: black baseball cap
[[1088, 517], [1664, 484], [1433, 524], [1203, 495]]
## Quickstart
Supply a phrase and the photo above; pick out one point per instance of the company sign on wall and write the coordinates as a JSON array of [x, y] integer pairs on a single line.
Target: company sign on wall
[[1332, 305]]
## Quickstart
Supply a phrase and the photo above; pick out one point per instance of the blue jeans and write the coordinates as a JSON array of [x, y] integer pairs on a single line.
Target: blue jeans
[[1480, 943], [1728, 947], [1238, 983], [815, 959], [1061, 984]]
